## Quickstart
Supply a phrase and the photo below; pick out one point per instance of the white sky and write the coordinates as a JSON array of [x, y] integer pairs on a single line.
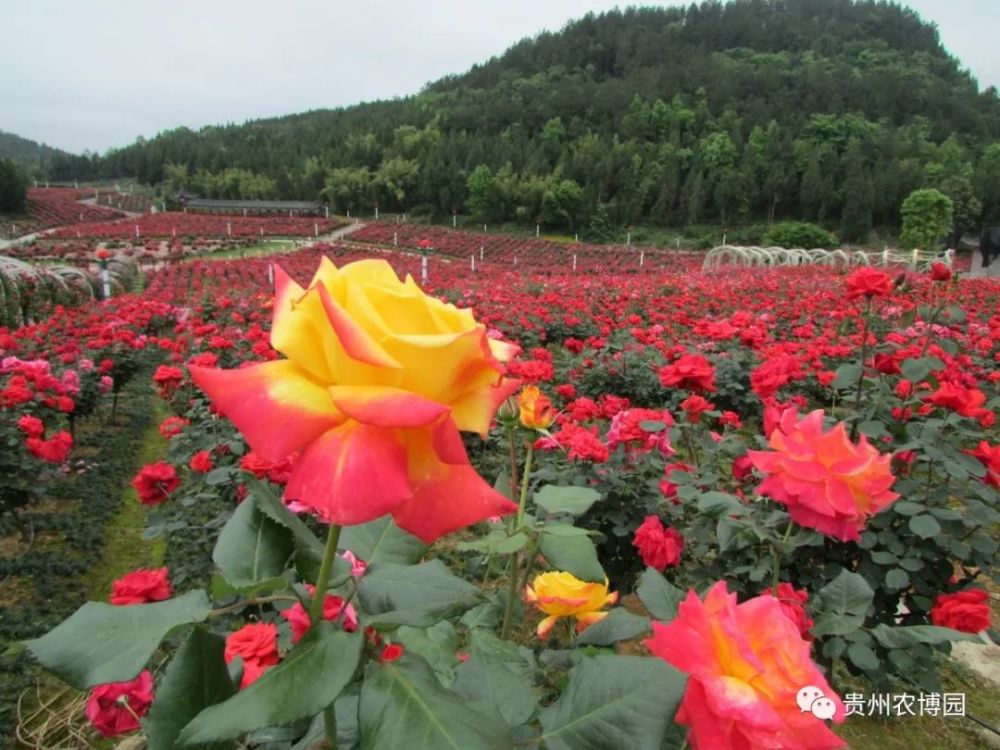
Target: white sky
[[92, 74]]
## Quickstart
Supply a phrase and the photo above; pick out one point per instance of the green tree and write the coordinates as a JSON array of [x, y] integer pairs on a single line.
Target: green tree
[[480, 192], [987, 183], [966, 207], [927, 217], [13, 187]]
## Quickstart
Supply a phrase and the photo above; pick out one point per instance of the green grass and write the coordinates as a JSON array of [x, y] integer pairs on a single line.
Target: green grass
[[267, 247], [124, 548]]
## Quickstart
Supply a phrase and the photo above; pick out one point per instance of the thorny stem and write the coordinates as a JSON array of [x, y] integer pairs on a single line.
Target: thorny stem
[[776, 550], [316, 610]]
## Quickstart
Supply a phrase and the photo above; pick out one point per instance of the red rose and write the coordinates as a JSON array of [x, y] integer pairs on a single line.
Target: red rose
[[31, 426], [201, 462], [967, 402], [391, 652], [167, 379], [694, 407], [968, 611], [113, 708], [299, 620], [868, 282], [659, 547], [940, 272], [692, 371], [154, 482], [172, 426], [257, 645], [792, 603], [54, 450], [142, 587], [989, 456]]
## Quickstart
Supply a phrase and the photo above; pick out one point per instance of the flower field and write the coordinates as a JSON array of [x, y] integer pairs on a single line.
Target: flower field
[[171, 224], [615, 506]]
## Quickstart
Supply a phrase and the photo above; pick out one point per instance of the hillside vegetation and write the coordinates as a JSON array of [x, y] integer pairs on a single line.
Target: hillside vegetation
[[830, 111]]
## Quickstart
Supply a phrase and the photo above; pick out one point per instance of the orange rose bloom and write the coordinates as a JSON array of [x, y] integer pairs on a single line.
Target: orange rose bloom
[[535, 408], [378, 381], [746, 664], [827, 483]]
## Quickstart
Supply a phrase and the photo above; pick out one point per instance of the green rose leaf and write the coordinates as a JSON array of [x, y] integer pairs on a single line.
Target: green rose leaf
[[614, 702], [382, 541], [660, 597], [404, 705], [571, 549], [415, 595], [324, 660], [251, 547], [910, 635], [103, 643], [619, 625], [573, 500], [196, 679], [842, 604], [494, 685], [924, 526]]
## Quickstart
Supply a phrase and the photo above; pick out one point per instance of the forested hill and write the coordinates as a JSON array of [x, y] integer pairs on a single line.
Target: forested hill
[[827, 110], [26, 153]]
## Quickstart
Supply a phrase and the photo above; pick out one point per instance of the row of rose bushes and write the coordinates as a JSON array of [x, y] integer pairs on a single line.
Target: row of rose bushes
[[56, 207], [682, 399], [81, 252], [531, 253], [176, 224]]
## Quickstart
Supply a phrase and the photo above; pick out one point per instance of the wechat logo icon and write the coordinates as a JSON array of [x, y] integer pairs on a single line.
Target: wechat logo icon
[[811, 699]]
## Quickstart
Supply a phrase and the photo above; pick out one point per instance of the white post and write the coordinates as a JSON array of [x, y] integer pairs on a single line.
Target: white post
[[885, 255], [404, 218], [628, 239], [348, 213], [81, 216], [916, 254], [76, 184], [423, 270], [538, 229], [642, 257], [395, 239], [723, 239], [376, 213], [481, 249], [106, 283], [78, 234], [574, 262], [173, 232], [327, 209], [270, 273], [289, 214], [36, 185], [262, 230], [515, 261], [484, 228], [46, 184], [136, 230], [472, 261], [576, 238], [315, 229], [117, 189], [229, 228], [244, 212]]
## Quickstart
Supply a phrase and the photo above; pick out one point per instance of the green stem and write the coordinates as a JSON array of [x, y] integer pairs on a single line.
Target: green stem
[[776, 550], [330, 725], [512, 588], [861, 377], [316, 611]]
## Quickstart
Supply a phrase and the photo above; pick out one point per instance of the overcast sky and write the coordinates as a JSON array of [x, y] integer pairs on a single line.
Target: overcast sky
[[92, 74]]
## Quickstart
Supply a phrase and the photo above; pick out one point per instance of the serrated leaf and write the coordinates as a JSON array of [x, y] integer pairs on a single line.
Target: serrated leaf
[[660, 597], [573, 500], [614, 702], [842, 604], [437, 644], [571, 549], [924, 526], [908, 636], [102, 643], [404, 705], [380, 541], [196, 678], [490, 684], [847, 376], [863, 657], [720, 503], [324, 660], [619, 625], [415, 595], [251, 547]]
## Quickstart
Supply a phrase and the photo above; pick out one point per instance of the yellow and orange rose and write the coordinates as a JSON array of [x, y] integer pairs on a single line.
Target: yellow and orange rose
[[378, 381], [535, 408], [561, 594]]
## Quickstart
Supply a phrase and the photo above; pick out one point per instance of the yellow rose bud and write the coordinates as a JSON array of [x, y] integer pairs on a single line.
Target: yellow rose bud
[[536, 409]]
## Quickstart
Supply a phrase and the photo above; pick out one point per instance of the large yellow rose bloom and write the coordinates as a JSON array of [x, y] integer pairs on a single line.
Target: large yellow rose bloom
[[378, 381]]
